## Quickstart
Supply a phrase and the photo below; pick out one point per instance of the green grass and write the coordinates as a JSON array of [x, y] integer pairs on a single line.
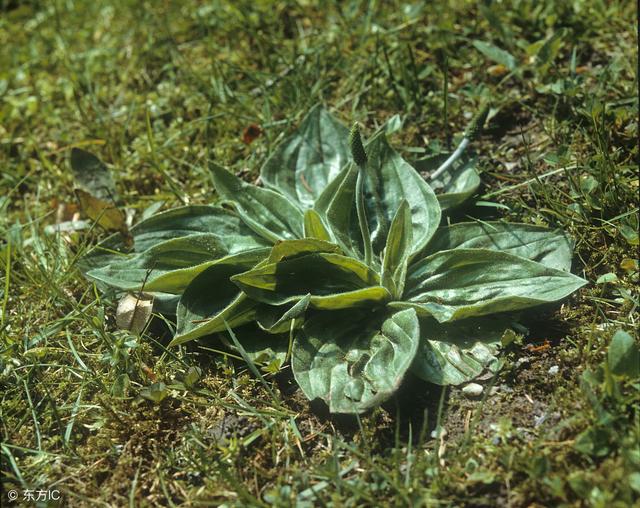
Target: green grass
[[158, 88]]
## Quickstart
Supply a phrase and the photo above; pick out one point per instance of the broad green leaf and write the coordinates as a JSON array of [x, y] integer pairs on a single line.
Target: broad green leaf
[[304, 163], [623, 355], [455, 353], [493, 52], [169, 225], [332, 280], [454, 186], [390, 179], [550, 247], [352, 362], [463, 283], [176, 281], [314, 227], [268, 213], [397, 251], [275, 319], [209, 301], [188, 220], [170, 266], [337, 208]]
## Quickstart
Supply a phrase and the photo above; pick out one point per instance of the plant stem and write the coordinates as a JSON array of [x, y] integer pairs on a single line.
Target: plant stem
[[452, 158], [472, 132], [362, 217], [360, 158]]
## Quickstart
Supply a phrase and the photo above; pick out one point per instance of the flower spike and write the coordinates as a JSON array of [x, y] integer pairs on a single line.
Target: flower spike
[[357, 148]]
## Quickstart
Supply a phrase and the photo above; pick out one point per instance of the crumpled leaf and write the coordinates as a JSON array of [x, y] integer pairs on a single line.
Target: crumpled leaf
[[104, 212], [464, 283], [351, 362], [96, 191], [92, 175], [134, 311], [304, 163]]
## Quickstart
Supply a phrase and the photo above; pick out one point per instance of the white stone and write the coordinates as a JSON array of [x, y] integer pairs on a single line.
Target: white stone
[[473, 390]]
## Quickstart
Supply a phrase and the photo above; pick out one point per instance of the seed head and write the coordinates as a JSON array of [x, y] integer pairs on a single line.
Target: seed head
[[477, 123], [357, 148]]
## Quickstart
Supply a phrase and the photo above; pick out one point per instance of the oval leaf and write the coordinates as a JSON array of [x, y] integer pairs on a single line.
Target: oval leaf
[[549, 247], [498, 55], [268, 213], [171, 265], [189, 220], [462, 283], [169, 225], [397, 251], [623, 355], [350, 363], [390, 179], [455, 353], [303, 164]]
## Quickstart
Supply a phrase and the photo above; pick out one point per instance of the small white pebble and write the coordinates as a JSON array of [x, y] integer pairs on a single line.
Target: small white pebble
[[554, 370], [473, 390]]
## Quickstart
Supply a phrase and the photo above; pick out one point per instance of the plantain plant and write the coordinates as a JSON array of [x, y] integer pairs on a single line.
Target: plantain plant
[[341, 264]]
